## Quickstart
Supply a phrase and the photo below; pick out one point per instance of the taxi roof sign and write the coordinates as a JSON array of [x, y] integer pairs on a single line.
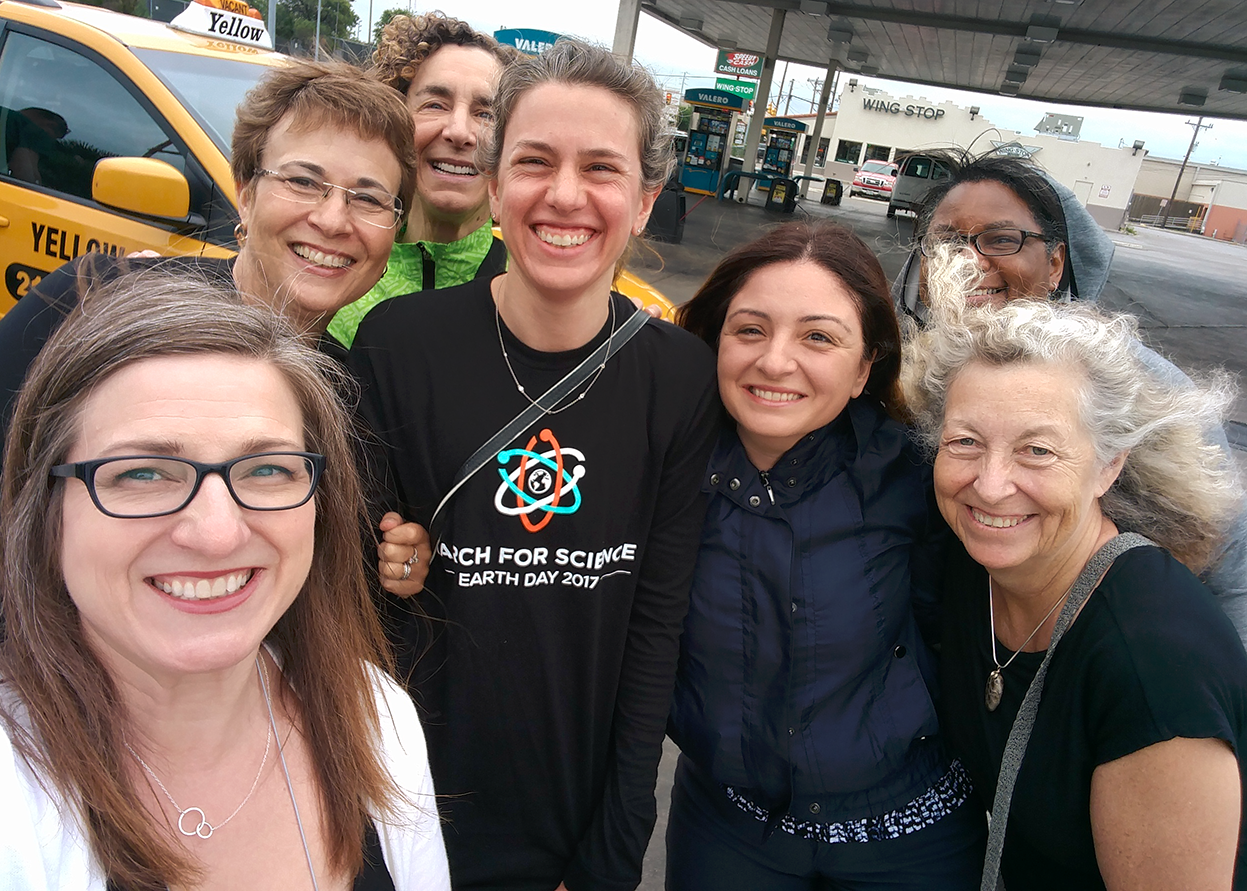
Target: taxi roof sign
[[224, 19]]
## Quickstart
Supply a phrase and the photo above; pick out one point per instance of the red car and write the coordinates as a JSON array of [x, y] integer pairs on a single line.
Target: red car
[[875, 178]]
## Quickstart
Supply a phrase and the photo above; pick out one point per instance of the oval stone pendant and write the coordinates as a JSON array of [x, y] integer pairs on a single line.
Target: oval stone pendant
[[995, 689]]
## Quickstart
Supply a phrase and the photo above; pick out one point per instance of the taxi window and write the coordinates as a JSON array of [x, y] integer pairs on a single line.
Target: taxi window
[[61, 112], [211, 88]]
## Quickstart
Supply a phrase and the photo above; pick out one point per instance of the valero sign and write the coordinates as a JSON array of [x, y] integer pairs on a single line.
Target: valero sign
[[714, 97], [784, 124], [529, 41], [739, 64]]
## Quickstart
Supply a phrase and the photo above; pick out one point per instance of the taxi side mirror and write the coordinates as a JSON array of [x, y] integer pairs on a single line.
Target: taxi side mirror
[[144, 186]]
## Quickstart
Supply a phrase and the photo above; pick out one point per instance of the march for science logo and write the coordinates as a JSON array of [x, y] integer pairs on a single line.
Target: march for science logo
[[537, 485]]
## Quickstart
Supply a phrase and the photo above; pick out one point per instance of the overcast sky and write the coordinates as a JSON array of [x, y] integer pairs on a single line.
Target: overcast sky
[[677, 59]]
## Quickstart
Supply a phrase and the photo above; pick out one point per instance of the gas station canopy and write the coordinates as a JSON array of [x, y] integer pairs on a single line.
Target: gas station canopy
[[1178, 56]]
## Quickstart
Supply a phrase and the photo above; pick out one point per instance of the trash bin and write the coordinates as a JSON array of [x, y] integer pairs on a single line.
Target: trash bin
[[783, 195], [833, 190], [666, 220]]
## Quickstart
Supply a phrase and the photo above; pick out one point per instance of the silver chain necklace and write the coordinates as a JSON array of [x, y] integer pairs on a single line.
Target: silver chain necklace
[[995, 689], [593, 380], [204, 829]]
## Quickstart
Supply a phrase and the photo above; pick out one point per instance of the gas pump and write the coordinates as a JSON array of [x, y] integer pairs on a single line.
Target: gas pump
[[709, 138], [781, 147]]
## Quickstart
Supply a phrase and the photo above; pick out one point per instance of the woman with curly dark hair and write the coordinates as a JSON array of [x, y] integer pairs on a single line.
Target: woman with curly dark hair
[[447, 73]]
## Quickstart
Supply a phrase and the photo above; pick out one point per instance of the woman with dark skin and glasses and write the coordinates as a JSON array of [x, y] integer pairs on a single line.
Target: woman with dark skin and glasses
[[320, 155], [1033, 238], [194, 688], [811, 757]]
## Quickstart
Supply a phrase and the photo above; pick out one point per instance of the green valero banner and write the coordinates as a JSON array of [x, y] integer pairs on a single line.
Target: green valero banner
[[745, 89]]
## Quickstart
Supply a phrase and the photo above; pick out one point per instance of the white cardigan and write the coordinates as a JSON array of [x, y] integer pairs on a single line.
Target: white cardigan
[[43, 846]]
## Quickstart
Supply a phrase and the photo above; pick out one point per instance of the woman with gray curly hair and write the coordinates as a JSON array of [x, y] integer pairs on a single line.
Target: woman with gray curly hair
[[447, 73], [1051, 438]]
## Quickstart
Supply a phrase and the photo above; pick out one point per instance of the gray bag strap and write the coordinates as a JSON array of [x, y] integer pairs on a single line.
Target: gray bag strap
[[1020, 734], [538, 409]]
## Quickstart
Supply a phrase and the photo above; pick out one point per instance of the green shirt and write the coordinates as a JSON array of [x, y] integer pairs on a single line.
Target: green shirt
[[454, 262]]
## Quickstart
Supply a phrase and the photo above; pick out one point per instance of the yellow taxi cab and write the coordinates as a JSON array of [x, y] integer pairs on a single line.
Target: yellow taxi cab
[[117, 134], [116, 131]]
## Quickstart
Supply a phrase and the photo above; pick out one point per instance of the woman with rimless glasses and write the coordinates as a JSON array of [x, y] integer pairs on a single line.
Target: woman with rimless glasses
[[195, 688], [320, 154], [1033, 238]]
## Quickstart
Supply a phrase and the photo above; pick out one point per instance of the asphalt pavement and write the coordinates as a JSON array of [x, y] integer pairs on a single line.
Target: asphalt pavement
[[1188, 292]]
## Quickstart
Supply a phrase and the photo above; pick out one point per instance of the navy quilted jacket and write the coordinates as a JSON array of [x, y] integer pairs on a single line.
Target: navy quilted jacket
[[803, 678]]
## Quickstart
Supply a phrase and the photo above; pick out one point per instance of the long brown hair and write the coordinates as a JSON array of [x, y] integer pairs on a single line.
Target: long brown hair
[[837, 250], [59, 705]]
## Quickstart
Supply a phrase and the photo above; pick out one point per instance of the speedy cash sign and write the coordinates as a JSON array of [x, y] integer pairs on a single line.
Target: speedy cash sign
[[739, 64]]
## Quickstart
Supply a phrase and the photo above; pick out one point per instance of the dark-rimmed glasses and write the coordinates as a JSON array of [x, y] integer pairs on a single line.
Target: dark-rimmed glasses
[[989, 242], [376, 207], [135, 487]]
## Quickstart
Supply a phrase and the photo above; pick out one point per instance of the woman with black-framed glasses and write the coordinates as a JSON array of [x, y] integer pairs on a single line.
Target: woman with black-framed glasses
[[195, 690]]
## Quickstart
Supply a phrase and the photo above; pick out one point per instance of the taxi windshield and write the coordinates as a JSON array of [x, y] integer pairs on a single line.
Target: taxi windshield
[[211, 88]]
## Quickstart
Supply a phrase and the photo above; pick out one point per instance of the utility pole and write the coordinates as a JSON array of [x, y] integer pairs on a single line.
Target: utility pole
[[817, 83], [1198, 125], [317, 56], [780, 97], [787, 102]]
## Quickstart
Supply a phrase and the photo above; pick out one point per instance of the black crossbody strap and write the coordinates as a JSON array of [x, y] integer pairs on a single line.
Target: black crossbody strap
[[1020, 734], [534, 412]]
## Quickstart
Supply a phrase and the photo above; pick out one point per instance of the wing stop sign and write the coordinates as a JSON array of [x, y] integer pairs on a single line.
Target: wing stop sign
[[739, 64]]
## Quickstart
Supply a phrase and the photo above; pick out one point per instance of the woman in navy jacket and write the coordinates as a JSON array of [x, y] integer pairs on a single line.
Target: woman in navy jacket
[[803, 710]]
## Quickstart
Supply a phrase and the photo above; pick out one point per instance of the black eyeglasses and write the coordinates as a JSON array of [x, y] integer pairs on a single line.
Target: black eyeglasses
[[376, 207], [135, 487], [989, 242]]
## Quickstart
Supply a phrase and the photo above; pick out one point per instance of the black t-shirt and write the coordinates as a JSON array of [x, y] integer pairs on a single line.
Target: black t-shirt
[[561, 583], [1150, 658]]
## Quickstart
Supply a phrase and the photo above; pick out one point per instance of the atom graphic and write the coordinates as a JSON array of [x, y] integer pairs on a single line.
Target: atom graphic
[[541, 482]]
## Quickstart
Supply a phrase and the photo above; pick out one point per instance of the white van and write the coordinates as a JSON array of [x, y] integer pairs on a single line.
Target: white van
[[917, 175]]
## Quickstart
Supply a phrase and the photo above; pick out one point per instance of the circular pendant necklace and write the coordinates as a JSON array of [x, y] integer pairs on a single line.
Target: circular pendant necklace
[[520, 387], [995, 689], [192, 821]]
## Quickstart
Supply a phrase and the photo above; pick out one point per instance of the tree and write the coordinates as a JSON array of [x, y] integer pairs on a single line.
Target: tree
[[296, 21], [384, 19]]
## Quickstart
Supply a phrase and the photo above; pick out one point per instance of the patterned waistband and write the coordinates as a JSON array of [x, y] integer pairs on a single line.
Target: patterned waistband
[[950, 793]]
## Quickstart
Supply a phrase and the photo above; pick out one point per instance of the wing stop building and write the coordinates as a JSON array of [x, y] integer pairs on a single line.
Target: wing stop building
[[873, 125]]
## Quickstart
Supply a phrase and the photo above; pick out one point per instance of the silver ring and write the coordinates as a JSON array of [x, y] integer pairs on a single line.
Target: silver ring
[[414, 558], [406, 572]]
